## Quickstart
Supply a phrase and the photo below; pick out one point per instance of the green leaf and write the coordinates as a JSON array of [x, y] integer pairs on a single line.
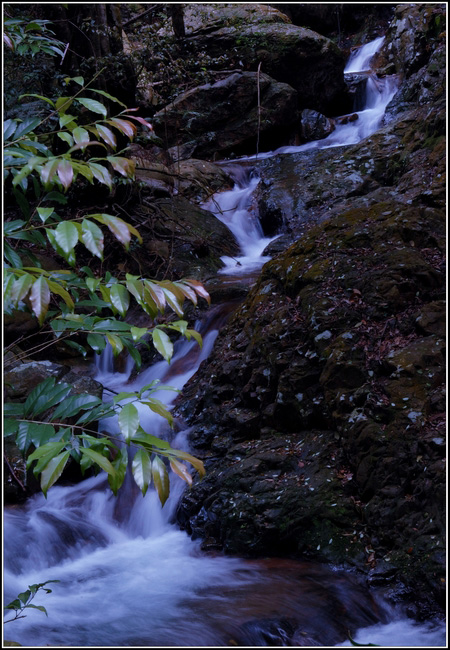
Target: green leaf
[[62, 104], [66, 235], [120, 298], [44, 454], [80, 135], [142, 470], [160, 479], [97, 458], [116, 225], [120, 464], [10, 426], [101, 174], [162, 343], [65, 137], [67, 120], [92, 238], [44, 99], [115, 342], [13, 258], [105, 94], [93, 105], [53, 471], [44, 213], [97, 342], [73, 405], [128, 420], [172, 301], [33, 432], [9, 126], [27, 126], [158, 407], [138, 332], [40, 298], [45, 395], [152, 443]]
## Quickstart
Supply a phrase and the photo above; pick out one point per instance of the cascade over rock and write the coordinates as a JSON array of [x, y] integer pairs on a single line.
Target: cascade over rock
[[320, 413]]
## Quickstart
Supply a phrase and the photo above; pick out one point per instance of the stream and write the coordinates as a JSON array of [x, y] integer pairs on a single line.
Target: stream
[[129, 577]]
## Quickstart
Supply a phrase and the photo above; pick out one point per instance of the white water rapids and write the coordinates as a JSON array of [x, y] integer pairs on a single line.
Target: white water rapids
[[129, 577]]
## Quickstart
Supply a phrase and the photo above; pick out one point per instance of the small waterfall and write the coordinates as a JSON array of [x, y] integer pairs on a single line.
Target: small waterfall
[[234, 209], [361, 57]]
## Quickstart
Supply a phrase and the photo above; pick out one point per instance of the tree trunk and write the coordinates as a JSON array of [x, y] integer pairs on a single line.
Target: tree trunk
[[176, 12]]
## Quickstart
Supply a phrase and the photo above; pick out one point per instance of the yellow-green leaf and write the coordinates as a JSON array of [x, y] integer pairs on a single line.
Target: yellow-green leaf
[[160, 479], [98, 458], [40, 298], [181, 470], [162, 343], [120, 298], [60, 291], [142, 470]]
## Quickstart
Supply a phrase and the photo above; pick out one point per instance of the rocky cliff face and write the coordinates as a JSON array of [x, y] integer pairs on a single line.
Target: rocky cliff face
[[320, 415]]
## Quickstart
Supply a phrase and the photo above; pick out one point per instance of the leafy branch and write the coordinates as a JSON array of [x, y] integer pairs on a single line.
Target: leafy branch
[[23, 600]]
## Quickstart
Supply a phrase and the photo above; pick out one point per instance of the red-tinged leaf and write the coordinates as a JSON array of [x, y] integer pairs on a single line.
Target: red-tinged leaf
[[188, 292], [142, 470], [173, 302], [199, 289], [40, 298], [181, 470], [124, 166], [65, 173], [160, 479], [156, 293], [141, 120], [107, 135], [128, 128], [195, 462], [116, 225], [21, 287], [49, 170]]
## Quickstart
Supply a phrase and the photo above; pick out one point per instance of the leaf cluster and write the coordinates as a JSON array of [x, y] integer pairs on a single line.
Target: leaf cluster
[[58, 423], [47, 155]]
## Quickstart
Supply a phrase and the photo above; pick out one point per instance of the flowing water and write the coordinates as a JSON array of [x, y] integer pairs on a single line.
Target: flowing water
[[129, 577]]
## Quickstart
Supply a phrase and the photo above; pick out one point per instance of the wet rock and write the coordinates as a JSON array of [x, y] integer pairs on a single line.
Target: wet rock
[[315, 126], [265, 36], [205, 121]]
